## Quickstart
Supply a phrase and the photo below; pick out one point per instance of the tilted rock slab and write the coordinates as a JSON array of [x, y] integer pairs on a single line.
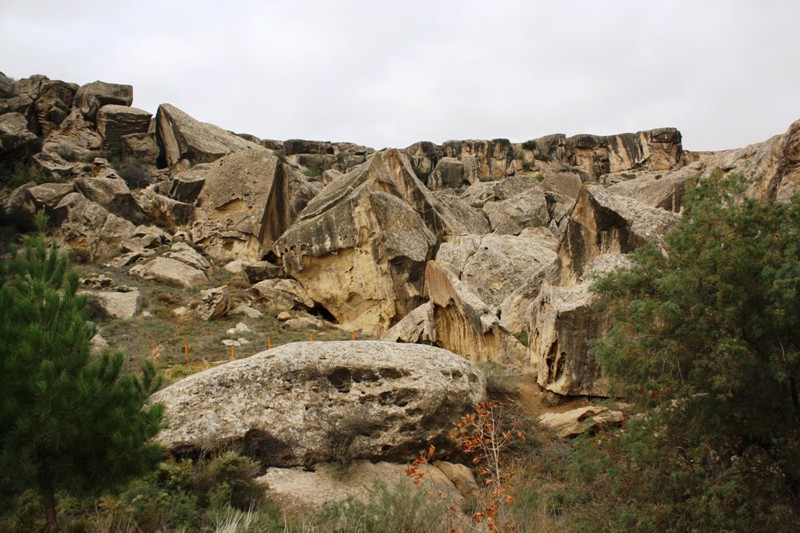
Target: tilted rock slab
[[309, 402], [244, 205], [186, 140], [360, 246], [562, 319], [90, 229]]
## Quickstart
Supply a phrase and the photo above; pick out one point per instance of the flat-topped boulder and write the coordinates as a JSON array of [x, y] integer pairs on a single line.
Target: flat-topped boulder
[[309, 402]]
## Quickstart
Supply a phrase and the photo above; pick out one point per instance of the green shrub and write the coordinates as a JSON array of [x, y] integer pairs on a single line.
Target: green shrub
[[403, 508]]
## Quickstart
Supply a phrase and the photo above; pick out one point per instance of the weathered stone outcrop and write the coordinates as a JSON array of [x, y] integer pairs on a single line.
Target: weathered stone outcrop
[[89, 229], [462, 322], [525, 210], [214, 303], [582, 420], [182, 266], [119, 302], [167, 212], [360, 246], [15, 137], [601, 229], [494, 266], [115, 121], [110, 191], [245, 204], [186, 141], [308, 402], [91, 97], [53, 104], [656, 189], [282, 294]]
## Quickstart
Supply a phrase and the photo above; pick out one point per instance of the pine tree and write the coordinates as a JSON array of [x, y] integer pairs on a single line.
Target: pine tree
[[707, 340], [68, 421]]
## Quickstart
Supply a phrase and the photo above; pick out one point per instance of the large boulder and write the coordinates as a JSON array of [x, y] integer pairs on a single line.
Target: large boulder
[[525, 210], [120, 302], [360, 246], [657, 189], [91, 97], [114, 121], [563, 319], [186, 141], [53, 104], [182, 266], [15, 137], [582, 420], [494, 266], [110, 191], [309, 402], [246, 202], [90, 230]]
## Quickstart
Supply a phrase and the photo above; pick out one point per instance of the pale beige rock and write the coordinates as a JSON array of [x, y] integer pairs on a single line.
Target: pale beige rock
[[360, 246], [307, 402], [462, 322], [186, 141], [511, 216], [46, 196], [182, 251], [578, 421], [603, 223], [170, 271], [244, 205], [53, 166], [186, 186], [283, 294], [89, 229], [656, 189], [214, 304], [111, 192], [167, 212], [416, 327], [493, 266], [448, 174], [297, 489], [123, 303]]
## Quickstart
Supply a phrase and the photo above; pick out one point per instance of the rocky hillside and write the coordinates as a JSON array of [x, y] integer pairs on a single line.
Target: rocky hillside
[[483, 247]]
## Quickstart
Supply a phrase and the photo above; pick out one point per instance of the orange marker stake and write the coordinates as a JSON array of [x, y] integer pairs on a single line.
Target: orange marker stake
[[233, 352], [353, 335], [269, 343], [186, 352], [311, 338]]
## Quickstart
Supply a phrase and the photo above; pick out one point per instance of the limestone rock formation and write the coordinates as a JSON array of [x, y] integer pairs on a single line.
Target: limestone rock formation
[[359, 248], [15, 137], [115, 121], [282, 294], [582, 420], [90, 230], [244, 205], [187, 141], [182, 266], [601, 229], [111, 192], [91, 97], [214, 304], [119, 302], [308, 402]]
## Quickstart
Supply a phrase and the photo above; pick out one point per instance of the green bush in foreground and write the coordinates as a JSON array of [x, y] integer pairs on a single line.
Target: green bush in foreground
[[68, 422], [707, 341]]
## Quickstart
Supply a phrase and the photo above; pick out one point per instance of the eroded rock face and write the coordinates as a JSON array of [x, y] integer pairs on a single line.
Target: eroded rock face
[[582, 420], [91, 97], [115, 121], [359, 248], [308, 402], [562, 319], [89, 229], [120, 302], [110, 191], [244, 205], [186, 141]]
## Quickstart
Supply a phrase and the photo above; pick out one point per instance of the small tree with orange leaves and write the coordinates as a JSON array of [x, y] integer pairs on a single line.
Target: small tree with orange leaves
[[484, 437]]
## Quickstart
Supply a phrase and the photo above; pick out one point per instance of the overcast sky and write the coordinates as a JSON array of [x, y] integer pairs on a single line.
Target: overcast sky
[[726, 73]]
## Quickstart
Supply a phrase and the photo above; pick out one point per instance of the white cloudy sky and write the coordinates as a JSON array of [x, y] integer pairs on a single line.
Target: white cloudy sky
[[724, 72]]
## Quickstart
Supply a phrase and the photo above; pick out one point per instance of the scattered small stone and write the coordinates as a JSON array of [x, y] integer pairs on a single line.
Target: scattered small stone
[[283, 316]]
